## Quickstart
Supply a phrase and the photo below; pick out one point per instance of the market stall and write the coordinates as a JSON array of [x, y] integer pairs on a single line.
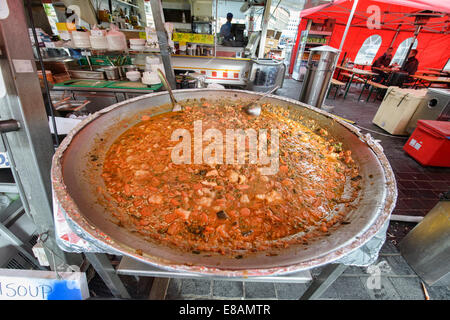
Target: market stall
[[396, 21], [188, 41]]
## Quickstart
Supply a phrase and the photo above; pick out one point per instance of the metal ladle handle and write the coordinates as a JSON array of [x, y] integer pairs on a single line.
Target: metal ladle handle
[[264, 95], [167, 86]]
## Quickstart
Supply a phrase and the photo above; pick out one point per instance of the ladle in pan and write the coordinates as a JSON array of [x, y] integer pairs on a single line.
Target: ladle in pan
[[176, 106], [253, 110]]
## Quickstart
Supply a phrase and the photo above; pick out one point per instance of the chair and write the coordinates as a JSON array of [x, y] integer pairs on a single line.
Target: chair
[[348, 84], [373, 85], [337, 84]]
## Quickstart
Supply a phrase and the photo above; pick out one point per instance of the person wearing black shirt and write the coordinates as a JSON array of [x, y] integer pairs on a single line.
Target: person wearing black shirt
[[382, 61], [411, 64]]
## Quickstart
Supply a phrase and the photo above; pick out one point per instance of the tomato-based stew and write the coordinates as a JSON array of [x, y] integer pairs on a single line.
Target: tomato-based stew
[[218, 206]]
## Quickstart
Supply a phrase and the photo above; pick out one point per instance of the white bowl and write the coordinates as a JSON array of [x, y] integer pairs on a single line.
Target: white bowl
[[133, 75]]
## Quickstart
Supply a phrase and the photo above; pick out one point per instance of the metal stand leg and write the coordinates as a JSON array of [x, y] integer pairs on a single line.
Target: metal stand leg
[[348, 87], [326, 278], [361, 92], [328, 94], [103, 266], [370, 93]]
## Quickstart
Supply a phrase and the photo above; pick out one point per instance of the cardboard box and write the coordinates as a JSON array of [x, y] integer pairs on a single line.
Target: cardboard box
[[272, 34], [271, 43]]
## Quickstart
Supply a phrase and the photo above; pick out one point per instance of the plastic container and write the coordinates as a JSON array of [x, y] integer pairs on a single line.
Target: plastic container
[[397, 109], [150, 78], [116, 40], [434, 107], [81, 39], [429, 144], [98, 39], [155, 67], [149, 61], [133, 75], [99, 42]]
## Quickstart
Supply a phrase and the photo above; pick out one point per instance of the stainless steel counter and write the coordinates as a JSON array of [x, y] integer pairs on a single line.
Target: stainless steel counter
[[99, 97]]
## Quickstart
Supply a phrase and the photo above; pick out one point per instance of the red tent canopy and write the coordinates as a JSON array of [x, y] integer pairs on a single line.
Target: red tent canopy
[[396, 15]]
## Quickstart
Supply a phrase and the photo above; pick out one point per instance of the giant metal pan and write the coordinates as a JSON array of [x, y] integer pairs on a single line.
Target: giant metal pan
[[75, 194]]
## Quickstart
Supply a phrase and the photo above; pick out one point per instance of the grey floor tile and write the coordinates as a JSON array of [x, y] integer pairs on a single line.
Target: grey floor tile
[[386, 290], [330, 294], [198, 287], [228, 289], [399, 266], [354, 270], [408, 288], [351, 288], [388, 248], [259, 290], [439, 293], [290, 291]]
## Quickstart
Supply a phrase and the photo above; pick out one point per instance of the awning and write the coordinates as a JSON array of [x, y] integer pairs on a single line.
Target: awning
[[397, 23]]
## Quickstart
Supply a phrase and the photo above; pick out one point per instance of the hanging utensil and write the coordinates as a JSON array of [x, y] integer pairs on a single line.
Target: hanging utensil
[[89, 63], [109, 60], [176, 106], [253, 110]]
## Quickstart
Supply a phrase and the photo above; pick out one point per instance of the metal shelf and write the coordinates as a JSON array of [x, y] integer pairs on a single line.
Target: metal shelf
[[129, 266], [127, 4]]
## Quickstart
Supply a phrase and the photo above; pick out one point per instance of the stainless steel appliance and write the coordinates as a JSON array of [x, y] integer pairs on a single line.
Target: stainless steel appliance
[[202, 27], [86, 74], [266, 74], [318, 75], [436, 106], [426, 248]]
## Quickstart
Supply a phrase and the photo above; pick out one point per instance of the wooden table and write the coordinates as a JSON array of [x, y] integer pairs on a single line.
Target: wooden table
[[429, 73], [427, 81], [357, 71], [438, 70], [354, 71], [363, 66], [384, 69]]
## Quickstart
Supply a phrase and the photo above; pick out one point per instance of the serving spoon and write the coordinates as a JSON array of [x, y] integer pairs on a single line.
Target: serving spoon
[[253, 110], [175, 105]]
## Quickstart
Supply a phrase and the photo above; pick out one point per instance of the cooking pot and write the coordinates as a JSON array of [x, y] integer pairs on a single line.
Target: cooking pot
[[77, 168]]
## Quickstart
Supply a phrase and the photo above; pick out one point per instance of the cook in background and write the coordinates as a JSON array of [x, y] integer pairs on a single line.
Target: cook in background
[[225, 30]]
